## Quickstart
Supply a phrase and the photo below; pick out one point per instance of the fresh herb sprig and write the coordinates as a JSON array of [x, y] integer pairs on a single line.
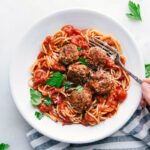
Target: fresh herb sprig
[[79, 48], [56, 79], [79, 88], [67, 85], [48, 101], [135, 12], [83, 61], [36, 97], [147, 70], [38, 115], [4, 146]]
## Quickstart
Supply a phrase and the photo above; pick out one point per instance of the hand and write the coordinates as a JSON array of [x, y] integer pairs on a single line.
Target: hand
[[146, 90]]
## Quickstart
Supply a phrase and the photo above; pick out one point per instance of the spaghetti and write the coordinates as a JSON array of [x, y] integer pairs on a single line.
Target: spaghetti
[[83, 84]]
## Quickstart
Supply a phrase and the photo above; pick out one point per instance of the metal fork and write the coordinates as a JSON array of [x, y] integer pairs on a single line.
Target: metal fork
[[112, 52]]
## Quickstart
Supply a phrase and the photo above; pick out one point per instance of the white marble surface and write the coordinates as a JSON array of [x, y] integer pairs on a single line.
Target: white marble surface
[[16, 16]]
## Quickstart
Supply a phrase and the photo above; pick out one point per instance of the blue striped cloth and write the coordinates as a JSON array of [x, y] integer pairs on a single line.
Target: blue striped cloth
[[135, 135]]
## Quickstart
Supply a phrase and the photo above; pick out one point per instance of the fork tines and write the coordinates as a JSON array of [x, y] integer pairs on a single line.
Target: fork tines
[[97, 42]]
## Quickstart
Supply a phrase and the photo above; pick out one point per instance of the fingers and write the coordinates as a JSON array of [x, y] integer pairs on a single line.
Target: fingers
[[147, 80], [146, 91], [143, 102]]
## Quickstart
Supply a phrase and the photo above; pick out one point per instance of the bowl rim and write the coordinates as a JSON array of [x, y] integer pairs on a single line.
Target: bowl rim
[[38, 21]]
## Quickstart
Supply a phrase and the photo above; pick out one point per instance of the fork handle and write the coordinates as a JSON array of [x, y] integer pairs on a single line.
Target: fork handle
[[131, 74]]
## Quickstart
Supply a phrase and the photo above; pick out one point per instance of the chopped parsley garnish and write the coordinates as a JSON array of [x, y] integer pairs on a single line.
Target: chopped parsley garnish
[[56, 79], [67, 85], [79, 48], [147, 70], [134, 11], [36, 97], [79, 88], [4, 146], [38, 115], [83, 61], [48, 101]]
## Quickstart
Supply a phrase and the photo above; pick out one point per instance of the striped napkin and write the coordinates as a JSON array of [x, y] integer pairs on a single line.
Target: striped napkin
[[135, 135]]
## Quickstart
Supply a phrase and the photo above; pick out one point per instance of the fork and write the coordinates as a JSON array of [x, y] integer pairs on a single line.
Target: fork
[[112, 52]]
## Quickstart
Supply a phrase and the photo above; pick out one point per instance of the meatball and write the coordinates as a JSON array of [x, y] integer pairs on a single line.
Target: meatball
[[101, 83], [81, 100], [97, 56], [69, 54], [78, 73]]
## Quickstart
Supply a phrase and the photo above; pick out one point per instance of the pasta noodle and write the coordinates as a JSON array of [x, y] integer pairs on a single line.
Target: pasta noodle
[[104, 89]]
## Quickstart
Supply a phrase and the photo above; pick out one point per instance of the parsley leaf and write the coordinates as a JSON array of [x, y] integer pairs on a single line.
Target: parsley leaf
[[134, 11], [67, 85], [4, 146], [79, 48], [79, 88], [38, 115], [36, 97], [56, 79], [147, 70], [83, 61], [48, 101]]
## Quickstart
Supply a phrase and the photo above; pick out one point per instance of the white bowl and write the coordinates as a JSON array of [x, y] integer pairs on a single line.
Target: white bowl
[[27, 52]]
